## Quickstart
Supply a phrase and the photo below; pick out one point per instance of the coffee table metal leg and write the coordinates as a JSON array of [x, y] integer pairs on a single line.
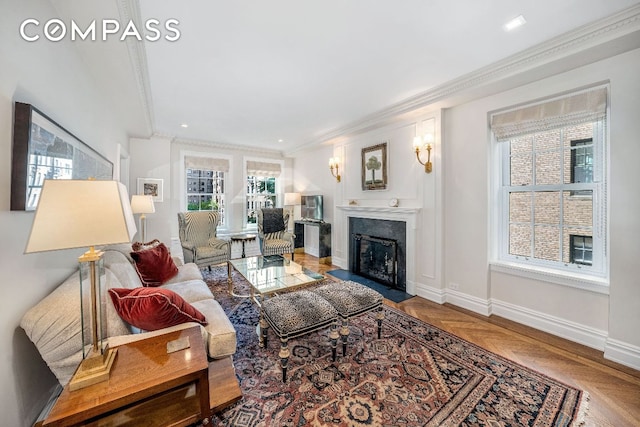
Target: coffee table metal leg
[[230, 283]]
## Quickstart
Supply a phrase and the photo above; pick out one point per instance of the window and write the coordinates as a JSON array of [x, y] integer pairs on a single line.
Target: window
[[261, 193], [581, 163], [262, 187], [205, 184], [552, 185], [581, 249]]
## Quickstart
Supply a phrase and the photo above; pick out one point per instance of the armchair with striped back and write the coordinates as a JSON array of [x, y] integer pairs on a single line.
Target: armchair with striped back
[[272, 232], [200, 244]]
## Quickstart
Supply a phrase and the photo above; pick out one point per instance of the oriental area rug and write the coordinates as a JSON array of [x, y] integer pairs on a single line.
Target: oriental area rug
[[415, 375]]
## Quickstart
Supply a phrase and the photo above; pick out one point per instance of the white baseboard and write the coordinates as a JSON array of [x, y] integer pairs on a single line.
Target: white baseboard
[[469, 302], [623, 353], [436, 295], [591, 337]]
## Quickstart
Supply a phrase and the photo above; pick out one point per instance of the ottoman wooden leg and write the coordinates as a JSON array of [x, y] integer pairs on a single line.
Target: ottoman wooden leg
[[380, 318], [344, 334], [284, 357], [333, 336], [264, 328]]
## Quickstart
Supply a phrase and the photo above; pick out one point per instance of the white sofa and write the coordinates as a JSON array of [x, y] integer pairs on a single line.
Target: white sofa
[[54, 324]]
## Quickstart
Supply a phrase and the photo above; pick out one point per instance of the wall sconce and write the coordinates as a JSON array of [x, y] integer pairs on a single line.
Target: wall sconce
[[333, 164], [426, 141]]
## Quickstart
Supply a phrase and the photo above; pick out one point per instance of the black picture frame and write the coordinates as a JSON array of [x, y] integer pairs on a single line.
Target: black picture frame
[[42, 149], [374, 158]]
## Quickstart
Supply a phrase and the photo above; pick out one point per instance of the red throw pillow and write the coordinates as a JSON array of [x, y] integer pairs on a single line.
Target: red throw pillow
[[154, 265], [153, 308]]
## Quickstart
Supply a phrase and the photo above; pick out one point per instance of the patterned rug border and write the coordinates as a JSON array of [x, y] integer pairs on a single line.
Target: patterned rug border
[[579, 414], [574, 402]]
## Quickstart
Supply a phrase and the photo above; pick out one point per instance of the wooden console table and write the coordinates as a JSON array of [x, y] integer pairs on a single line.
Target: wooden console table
[[146, 384]]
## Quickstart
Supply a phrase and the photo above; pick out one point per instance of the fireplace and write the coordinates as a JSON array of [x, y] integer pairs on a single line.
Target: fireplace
[[377, 250], [376, 258]]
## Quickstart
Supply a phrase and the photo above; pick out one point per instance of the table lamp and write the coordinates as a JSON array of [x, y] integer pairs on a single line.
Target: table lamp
[[292, 199], [142, 204], [75, 214]]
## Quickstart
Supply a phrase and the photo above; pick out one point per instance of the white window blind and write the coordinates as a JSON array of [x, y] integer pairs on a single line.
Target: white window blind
[[256, 168], [206, 163], [579, 108]]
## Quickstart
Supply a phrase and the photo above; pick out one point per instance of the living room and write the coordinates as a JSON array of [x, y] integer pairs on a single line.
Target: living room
[[450, 211]]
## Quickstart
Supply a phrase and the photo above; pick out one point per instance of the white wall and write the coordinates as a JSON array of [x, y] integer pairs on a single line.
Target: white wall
[[457, 203], [161, 158], [53, 78], [407, 182], [585, 316]]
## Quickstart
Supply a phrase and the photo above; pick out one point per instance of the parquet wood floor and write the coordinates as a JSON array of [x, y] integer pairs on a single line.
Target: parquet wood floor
[[614, 389]]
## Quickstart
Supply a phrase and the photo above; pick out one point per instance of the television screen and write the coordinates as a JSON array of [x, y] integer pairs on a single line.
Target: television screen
[[311, 208]]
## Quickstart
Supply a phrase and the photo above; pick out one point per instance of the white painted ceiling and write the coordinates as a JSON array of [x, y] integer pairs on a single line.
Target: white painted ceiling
[[255, 72]]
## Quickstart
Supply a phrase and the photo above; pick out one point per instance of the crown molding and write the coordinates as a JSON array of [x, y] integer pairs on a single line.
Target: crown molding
[[130, 10], [221, 146], [573, 42]]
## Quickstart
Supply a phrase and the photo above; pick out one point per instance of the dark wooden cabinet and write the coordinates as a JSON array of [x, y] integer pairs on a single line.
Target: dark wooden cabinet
[[314, 238]]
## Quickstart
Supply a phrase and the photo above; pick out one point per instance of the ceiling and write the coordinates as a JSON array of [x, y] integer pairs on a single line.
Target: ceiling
[[281, 74]]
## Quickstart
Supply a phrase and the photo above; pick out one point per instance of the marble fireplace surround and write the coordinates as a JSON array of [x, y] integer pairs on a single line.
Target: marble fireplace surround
[[407, 215]]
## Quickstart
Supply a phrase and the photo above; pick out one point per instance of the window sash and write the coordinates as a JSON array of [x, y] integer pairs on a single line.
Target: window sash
[[597, 189]]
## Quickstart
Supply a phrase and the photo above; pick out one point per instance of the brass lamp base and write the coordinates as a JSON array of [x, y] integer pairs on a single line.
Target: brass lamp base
[[94, 369]]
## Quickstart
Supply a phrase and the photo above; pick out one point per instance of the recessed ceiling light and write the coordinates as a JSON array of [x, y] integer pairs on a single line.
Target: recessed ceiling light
[[516, 22], [281, 140], [184, 125]]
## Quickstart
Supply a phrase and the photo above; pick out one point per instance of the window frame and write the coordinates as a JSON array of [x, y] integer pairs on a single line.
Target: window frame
[[228, 178], [592, 277]]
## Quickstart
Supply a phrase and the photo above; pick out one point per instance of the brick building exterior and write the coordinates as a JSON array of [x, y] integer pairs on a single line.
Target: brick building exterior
[[559, 223]]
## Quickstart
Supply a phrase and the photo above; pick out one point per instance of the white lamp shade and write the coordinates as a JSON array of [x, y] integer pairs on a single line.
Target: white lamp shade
[[78, 213], [142, 204], [292, 199]]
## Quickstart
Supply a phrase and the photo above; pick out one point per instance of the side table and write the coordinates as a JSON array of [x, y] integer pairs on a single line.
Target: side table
[[146, 384], [243, 238]]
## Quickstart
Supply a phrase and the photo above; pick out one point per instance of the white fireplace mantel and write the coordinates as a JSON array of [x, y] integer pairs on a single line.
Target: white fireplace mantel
[[408, 215]]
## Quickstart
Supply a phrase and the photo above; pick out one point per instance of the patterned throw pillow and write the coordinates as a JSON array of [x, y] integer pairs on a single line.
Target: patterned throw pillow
[[140, 246], [150, 309], [155, 265]]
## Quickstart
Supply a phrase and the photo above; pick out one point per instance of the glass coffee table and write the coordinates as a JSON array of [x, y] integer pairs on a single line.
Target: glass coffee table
[[268, 275]]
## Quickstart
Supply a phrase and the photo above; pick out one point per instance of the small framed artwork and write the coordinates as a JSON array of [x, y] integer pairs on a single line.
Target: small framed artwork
[[374, 167], [151, 187]]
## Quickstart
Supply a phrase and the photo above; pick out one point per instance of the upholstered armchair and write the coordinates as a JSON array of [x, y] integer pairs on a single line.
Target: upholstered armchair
[[272, 232], [197, 231]]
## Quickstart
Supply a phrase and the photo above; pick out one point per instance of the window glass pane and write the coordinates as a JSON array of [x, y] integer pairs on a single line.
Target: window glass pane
[[520, 207], [577, 210], [521, 158], [520, 239], [578, 153], [547, 242], [548, 168], [547, 207], [547, 160]]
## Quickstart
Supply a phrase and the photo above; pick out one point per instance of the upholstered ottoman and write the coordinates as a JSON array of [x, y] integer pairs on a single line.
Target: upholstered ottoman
[[351, 299], [295, 314]]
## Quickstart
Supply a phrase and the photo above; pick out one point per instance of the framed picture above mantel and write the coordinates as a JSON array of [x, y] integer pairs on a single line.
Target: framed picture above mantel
[[374, 167], [42, 149]]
